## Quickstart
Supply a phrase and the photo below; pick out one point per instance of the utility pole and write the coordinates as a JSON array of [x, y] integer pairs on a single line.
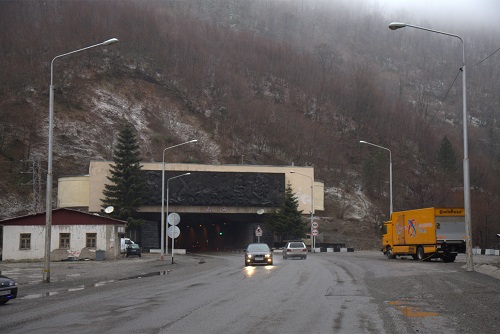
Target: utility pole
[[35, 169]]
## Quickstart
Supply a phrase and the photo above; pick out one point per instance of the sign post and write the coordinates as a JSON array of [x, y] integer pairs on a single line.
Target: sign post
[[173, 219], [314, 234], [258, 233]]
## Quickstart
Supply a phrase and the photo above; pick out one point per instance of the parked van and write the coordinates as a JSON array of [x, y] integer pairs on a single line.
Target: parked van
[[124, 244]]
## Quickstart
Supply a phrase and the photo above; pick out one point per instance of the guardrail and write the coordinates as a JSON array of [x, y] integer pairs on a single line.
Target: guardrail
[[479, 251]]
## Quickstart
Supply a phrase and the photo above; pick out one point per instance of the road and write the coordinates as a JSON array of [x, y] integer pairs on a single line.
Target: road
[[361, 292]]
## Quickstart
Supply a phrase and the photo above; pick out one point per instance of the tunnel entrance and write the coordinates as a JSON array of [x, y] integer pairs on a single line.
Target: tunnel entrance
[[216, 232], [207, 232]]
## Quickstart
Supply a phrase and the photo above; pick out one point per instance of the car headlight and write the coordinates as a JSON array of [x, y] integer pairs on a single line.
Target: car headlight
[[268, 255], [12, 283], [249, 256]]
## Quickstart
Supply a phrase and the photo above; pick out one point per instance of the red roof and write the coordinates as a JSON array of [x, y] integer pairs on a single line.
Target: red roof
[[63, 216]]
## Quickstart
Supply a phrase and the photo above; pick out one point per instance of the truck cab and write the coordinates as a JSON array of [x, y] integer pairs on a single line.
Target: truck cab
[[386, 235], [124, 243], [307, 240]]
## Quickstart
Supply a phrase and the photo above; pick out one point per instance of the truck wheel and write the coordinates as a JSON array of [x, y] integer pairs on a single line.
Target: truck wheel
[[420, 254], [447, 258], [389, 253]]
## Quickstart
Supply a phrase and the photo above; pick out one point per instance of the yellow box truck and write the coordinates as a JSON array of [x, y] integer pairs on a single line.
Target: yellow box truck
[[425, 234]]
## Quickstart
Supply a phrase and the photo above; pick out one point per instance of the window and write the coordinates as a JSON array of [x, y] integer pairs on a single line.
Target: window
[[91, 240], [64, 240], [25, 241]]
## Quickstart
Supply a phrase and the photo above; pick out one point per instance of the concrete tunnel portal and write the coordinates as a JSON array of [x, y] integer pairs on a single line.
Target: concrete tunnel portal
[[220, 206], [218, 210]]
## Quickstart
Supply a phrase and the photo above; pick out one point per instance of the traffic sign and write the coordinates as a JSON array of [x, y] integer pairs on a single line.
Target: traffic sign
[[314, 232], [173, 218], [258, 232], [314, 225], [176, 231]]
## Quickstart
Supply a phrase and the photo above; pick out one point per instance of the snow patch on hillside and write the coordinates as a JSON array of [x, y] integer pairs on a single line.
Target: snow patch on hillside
[[109, 106], [354, 204], [11, 205]]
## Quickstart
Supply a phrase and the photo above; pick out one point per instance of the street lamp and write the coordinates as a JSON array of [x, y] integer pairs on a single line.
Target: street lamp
[[467, 205], [312, 206], [172, 236], [48, 200], [390, 173], [163, 196]]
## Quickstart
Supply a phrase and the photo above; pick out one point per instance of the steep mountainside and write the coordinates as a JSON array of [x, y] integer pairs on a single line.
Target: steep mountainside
[[256, 82]]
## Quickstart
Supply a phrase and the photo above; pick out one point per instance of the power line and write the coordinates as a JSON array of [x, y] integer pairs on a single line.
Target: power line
[[449, 89], [488, 56], [451, 86]]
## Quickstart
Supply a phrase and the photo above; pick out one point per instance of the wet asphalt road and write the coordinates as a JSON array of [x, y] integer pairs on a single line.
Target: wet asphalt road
[[361, 292]]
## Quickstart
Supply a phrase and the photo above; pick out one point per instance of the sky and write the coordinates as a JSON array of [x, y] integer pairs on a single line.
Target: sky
[[480, 13]]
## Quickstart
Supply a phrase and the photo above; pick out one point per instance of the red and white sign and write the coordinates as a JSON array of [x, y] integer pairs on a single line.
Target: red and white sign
[[314, 225], [314, 232], [258, 232]]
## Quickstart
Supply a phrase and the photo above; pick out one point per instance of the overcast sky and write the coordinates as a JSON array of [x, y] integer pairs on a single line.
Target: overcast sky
[[444, 12]]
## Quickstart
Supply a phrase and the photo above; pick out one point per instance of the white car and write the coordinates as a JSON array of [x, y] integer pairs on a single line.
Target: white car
[[295, 249]]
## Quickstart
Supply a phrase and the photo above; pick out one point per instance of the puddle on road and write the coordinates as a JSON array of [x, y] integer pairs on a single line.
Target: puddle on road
[[34, 296], [94, 285], [250, 270], [412, 311]]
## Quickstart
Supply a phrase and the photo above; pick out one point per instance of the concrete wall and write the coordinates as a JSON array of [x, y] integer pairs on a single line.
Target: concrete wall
[[107, 239], [73, 192], [301, 184]]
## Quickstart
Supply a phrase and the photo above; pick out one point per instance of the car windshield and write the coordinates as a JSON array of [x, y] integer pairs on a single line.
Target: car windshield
[[133, 246], [296, 245], [258, 248]]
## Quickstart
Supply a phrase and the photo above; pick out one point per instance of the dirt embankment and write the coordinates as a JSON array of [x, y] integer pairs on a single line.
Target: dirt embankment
[[354, 234]]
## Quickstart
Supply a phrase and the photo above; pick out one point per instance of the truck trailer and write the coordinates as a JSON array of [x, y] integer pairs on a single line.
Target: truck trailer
[[425, 234]]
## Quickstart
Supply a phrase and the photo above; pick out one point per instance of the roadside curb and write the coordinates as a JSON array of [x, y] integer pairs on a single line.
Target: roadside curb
[[487, 269]]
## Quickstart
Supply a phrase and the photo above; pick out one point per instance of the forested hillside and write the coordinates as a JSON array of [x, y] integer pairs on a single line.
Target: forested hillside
[[256, 82]]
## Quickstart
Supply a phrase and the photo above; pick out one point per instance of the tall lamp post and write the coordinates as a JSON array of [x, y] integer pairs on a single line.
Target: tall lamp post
[[48, 200], [163, 196], [467, 204], [312, 205], [390, 173], [172, 236]]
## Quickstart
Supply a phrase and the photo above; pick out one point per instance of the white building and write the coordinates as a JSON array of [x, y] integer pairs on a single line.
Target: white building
[[74, 234]]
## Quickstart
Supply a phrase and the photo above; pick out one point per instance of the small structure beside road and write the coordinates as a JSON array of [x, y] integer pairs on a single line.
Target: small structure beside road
[[75, 234]]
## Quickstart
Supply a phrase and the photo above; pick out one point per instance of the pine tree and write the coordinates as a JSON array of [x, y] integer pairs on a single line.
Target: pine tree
[[127, 186], [447, 158], [287, 222]]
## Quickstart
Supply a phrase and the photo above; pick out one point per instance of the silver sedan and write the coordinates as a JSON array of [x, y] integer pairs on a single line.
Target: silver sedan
[[258, 253], [295, 249]]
